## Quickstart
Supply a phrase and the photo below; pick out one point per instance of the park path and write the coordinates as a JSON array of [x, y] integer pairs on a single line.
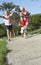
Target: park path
[[25, 51]]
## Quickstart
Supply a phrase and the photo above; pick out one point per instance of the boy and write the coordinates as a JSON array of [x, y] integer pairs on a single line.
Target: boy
[[8, 22]]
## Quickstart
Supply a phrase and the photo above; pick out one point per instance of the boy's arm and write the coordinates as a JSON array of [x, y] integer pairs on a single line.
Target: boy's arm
[[2, 16], [12, 11]]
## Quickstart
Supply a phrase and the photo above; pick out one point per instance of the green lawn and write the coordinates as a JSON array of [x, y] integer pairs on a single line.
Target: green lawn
[[35, 31], [3, 51]]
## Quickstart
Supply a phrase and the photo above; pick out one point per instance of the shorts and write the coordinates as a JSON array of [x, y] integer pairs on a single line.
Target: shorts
[[9, 27]]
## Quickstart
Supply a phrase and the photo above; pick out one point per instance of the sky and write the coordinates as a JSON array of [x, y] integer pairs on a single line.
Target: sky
[[32, 6]]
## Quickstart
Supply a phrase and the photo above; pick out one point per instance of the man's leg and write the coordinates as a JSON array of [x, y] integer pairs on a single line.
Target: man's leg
[[22, 31], [25, 31]]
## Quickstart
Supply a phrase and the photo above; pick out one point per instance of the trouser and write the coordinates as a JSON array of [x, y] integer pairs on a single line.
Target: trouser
[[24, 30]]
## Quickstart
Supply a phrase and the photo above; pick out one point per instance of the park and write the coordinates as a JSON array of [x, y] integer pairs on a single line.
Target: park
[[20, 50]]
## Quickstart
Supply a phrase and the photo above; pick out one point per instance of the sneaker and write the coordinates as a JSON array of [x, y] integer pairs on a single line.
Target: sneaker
[[25, 36], [9, 39], [22, 35]]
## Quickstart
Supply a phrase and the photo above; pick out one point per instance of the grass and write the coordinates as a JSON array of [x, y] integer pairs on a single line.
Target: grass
[[35, 31], [3, 51]]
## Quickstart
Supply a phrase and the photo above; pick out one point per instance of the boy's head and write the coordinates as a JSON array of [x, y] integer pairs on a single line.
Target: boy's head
[[6, 13]]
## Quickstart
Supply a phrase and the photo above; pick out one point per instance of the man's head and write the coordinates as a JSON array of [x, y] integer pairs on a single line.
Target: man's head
[[22, 9]]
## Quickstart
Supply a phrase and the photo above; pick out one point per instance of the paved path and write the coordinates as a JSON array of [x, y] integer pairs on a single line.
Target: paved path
[[25, 51]]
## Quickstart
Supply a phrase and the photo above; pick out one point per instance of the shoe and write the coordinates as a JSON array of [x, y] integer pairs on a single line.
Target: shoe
[[25, 36], [9, 39], [22, 35]]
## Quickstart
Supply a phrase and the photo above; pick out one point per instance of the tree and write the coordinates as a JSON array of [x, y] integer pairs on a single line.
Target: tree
[[7, 6], [35, 21]]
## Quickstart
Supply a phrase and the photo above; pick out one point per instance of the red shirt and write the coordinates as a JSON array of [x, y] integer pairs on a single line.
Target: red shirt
[[22, 22]]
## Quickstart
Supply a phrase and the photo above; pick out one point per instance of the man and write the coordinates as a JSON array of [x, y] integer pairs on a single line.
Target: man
[[23, 21]]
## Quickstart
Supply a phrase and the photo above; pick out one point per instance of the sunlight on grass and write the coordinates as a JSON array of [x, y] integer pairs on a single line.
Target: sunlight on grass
[[3, 50]]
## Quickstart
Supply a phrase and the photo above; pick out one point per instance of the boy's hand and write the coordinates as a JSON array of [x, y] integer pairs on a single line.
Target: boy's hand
[[0, 16], [12, 11]]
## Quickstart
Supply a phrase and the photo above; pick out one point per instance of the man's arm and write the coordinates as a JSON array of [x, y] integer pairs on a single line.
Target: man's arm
[[25, 13]]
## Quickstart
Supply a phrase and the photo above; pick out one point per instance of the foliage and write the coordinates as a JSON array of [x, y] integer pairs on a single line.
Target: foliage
[[6, 6], [34, 21], [16, 17], [35, 31], [2, 30]]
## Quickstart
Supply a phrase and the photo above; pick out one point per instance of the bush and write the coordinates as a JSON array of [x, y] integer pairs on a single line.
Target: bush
[[34, 22], [2, 31], [35, 31]]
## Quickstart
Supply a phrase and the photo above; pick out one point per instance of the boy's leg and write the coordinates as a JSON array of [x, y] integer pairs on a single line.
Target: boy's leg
[[7, 30], [8, 33]]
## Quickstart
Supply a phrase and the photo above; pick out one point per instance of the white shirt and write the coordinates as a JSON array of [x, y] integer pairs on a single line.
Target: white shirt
[[8, 20]]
